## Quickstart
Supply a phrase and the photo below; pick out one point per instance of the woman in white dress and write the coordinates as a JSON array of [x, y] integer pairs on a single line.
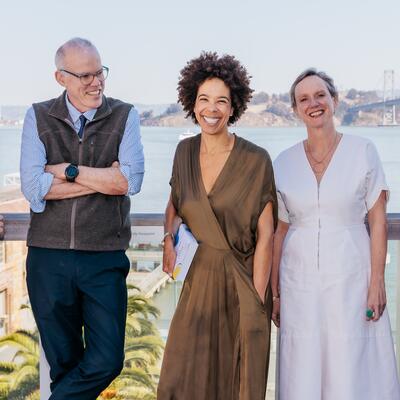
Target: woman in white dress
[[328, 273]]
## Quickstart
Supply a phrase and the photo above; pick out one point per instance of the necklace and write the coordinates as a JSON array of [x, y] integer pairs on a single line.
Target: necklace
[[318, 166], [327, 153]]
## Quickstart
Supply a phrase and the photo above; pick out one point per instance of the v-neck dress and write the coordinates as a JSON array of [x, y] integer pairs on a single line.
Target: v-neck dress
[[328, 351], [218, 342]]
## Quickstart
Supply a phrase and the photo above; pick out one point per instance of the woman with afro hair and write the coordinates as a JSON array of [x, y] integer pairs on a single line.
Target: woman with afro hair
[[222, 187]]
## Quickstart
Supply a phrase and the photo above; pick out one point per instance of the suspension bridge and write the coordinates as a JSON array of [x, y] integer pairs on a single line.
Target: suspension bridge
[[388, 103]]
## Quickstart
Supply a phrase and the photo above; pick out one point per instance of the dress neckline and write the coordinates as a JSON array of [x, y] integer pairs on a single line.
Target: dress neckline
[[328, 168], [223, 170]]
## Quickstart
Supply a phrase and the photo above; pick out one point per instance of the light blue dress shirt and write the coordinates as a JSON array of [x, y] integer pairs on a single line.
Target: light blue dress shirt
[[36, 183]]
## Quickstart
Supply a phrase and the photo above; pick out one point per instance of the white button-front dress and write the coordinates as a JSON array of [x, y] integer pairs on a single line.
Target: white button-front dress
[[328, 351]]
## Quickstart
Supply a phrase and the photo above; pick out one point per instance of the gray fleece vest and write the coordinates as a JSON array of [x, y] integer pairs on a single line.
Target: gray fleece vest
[[95, 222]]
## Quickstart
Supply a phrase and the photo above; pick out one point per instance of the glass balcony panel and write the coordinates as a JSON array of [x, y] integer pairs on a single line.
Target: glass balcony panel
[[145, 275]]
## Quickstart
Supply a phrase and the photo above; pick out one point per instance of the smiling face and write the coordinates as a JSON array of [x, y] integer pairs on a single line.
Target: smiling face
[[80, 61], [213, 106], [315, 106]]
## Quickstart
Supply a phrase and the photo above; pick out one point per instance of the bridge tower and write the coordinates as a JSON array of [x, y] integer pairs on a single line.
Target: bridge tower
[[389, 112]]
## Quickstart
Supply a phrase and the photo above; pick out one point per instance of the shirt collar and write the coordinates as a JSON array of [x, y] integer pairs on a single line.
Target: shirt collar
[[75, 114]]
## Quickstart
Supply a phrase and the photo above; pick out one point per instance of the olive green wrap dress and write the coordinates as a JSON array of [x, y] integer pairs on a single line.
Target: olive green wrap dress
[[218, 342]]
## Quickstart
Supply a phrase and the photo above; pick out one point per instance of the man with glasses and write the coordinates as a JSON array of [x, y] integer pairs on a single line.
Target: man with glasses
[[81, 158]]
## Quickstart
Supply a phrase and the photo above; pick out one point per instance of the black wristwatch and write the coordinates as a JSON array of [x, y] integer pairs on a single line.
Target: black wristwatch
[[71, 172]]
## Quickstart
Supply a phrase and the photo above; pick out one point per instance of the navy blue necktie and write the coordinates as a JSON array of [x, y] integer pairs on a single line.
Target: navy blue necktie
[[83, 120]]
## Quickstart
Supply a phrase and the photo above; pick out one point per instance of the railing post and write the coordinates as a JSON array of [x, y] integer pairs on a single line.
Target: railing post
[[1, 227], [277, 369], [398, 306], [44, 376]]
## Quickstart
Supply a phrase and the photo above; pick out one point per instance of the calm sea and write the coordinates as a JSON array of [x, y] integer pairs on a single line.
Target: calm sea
[[160, 143]]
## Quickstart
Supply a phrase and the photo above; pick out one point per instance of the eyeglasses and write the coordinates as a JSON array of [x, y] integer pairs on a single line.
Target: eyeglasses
[[87, 79]]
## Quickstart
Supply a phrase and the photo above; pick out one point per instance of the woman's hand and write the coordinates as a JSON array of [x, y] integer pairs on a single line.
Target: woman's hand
[[263, 251], [376, 298], [171, 225], [378, 234], [276, 311], [279, 237], [169, 256]]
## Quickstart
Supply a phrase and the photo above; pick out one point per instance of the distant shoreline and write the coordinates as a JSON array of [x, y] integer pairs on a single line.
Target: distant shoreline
[[264, 111], [190, 126]]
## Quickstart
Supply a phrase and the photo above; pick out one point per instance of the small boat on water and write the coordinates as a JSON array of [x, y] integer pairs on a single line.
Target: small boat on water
[[12, 179], [186, 135]]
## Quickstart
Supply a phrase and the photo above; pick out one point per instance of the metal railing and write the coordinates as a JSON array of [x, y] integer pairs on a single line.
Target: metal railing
[[14, 226]]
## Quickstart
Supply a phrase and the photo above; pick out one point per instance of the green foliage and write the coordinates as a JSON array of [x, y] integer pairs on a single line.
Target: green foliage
[[259, 98], [352, 94], [143, 351], [19, 379], [173, 109], [280, 109], [146, 115]]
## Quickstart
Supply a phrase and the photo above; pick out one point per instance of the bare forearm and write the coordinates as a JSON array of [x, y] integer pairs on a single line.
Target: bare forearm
[[66, 190], [104, 180], [279, 237], [263, 251], [172, 220], [108, 181], [262, 265], [378, 236], [171, 224]]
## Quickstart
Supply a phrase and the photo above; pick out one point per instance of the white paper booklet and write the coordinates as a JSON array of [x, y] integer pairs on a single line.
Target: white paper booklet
[[185, 247]]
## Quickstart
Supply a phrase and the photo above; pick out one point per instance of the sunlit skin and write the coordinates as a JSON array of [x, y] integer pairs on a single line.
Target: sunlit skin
[[81, 61], [213, 107], [314, 104]]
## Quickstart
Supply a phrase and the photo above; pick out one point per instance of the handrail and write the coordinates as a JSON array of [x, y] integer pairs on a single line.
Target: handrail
[[16, 224]]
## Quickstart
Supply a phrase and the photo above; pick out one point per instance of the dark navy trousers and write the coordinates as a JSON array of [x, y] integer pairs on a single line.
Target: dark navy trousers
[[79, 302]]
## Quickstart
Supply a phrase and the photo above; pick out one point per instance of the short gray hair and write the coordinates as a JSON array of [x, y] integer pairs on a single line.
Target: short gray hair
[[76, 43], [313, 72]]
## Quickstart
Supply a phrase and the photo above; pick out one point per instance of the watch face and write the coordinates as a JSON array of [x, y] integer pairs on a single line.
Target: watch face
[[71, 172]]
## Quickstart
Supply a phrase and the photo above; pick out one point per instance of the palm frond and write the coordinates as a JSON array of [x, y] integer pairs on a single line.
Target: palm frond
[[26, 374], [7, 367], [138, 304], [137, 376], [148, 327], [144, 343], [28, 358], [22, 340], [133, 287]]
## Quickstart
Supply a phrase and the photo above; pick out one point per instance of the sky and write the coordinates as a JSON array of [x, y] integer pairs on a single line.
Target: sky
[[146, 43]]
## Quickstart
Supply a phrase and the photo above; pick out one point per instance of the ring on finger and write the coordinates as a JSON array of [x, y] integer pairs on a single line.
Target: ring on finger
[[369, 313]]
